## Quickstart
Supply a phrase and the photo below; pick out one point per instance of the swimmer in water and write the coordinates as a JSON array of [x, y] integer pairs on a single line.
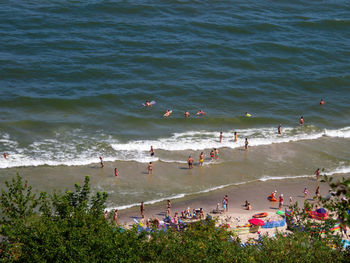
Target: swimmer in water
[[236, 136], [115, 172], [201, 159], [321, 102], [167, 113], [221, 137], [5, 155], [147, 103], [247, 114], [187, 114], [200, 113], [301, 121], [279, 129]]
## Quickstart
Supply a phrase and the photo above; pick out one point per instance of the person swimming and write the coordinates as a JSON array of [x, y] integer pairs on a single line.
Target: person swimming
[[147, 103], [200, 113], [167, 113], [247, 114], [187, 114], [321, 102], [301, 121]]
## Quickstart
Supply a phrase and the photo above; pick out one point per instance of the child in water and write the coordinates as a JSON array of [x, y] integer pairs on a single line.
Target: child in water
[[212, 155], [201, 159]]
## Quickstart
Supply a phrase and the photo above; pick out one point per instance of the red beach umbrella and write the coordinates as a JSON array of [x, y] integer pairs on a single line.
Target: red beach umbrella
[[256, 222]]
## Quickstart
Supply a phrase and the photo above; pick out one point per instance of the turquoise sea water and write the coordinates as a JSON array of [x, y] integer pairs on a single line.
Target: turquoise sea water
[[75, 73]]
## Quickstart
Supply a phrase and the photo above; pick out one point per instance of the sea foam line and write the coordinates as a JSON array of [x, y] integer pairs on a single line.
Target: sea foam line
[[53, 152]]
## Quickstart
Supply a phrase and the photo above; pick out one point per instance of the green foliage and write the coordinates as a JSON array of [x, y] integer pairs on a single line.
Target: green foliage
[[70, 227]]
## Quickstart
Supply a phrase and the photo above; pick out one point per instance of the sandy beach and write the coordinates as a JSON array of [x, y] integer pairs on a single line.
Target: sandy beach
[[256, 193]]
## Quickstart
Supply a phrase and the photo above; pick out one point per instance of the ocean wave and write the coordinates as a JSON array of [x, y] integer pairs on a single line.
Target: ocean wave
[[82, 149], [338, 170]]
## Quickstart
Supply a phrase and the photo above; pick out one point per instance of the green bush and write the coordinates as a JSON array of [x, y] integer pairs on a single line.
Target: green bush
[[70, 227]]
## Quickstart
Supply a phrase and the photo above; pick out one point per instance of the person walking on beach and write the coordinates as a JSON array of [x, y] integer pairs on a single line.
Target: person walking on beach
[[115, 217], [290, 202], [306, 192], [142, 209], [226, 199], [101, 162], [224, 204], [221, 137], [317, 192], [150, 168], [279, 129], [246, 144], [301, 121], [168, 210], [152, 151], [212, 155], [280, 202], [190, 162], [201, 159], [115, 172], [236, 137]]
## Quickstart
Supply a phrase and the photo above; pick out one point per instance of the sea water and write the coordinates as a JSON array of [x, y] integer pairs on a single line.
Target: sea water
[[74, 75]]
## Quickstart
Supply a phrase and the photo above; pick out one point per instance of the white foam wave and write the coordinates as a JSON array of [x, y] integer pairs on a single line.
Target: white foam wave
[[81, 149]]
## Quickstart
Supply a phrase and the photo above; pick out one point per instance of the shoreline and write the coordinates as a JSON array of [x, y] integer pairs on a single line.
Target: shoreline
[[255, 192]]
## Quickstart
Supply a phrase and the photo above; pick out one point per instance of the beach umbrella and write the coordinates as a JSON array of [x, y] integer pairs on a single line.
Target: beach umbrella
[[256, 222], [321, 211]]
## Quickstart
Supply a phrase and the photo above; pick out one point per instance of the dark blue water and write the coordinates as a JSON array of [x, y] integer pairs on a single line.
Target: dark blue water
[[75, 73]]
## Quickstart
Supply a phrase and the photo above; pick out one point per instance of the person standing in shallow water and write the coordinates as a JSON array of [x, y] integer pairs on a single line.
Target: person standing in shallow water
[[318, 174], [102, 162], [152, 151], [150, 168], [221, 137], [115, 172], [142, 209], [201, 159], [301, 121], [279, 129], [246, 144], [236, 136], [190, 162]]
